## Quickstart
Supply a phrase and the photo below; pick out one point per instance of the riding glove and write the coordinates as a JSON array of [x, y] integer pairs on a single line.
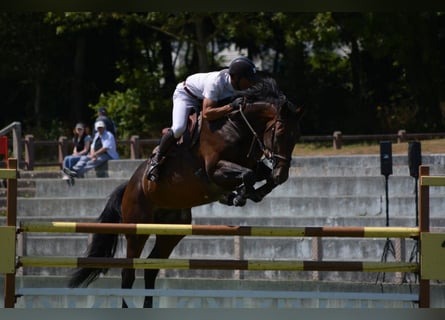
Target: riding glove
[[237, 103]]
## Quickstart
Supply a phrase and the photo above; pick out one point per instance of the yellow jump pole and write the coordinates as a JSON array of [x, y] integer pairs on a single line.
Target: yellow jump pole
[[207, 264], [182, 229]]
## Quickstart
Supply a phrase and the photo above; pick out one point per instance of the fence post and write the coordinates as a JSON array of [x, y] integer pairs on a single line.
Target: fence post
[[63, 149], [134, 147], [317, 255], [424, 226], [401, 136], [17, 143], [11, 221], [238, 252], [29, 152], [337, 139]]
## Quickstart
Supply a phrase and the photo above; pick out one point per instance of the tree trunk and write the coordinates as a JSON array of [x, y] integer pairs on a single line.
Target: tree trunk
[[167, 64], [77, 94], [37, 101], [201, 45]]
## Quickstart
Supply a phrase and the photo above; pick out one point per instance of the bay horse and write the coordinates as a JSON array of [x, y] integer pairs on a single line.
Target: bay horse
[[231, 155]]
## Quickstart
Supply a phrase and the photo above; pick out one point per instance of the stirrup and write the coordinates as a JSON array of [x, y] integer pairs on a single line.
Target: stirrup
[[152, 172]]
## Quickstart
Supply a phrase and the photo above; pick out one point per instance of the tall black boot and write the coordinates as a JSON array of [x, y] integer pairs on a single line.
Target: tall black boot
[[166, 142]]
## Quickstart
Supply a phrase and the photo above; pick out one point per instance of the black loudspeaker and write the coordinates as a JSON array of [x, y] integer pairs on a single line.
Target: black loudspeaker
[[386, 158], [414, 158]]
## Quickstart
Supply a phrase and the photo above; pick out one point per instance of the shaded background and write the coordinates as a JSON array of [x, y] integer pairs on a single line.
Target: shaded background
[[357, 72]]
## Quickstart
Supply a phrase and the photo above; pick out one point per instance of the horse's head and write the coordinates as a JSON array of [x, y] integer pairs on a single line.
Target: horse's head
[[281, 129], [280, 138]]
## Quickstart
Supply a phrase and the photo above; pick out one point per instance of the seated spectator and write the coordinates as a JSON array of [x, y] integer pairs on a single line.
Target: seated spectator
[[102, 149], [82, 142]]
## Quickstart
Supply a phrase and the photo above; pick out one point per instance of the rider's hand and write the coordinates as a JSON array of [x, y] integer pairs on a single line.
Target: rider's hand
[[237, 103]]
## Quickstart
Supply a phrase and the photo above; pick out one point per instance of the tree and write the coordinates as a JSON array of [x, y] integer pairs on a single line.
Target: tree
[[28, 46]]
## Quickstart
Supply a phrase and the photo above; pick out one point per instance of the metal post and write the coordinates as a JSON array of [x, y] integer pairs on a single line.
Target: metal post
[[17, 142], [424, 226]]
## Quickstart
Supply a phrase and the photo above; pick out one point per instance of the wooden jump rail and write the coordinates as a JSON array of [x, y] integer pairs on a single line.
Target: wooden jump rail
[[200, 264], [429, 267]]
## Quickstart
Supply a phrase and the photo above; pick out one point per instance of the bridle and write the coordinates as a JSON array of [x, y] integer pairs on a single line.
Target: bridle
[[268, 157]]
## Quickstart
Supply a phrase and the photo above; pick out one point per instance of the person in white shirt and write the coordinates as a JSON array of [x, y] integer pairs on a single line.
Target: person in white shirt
[[204, 90], [103, 148]]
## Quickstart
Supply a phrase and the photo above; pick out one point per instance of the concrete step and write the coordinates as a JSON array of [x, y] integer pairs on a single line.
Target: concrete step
[[21, 192], [212, 247], [359, 165], [333, 289], [60, 207], [363, 165], [347, 165], [332, 186], [294, 186], [88, 187], [338, 206], [328, 206], [117, 169]]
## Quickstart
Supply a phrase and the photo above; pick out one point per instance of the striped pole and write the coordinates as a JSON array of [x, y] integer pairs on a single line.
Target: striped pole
[[185, 229], [194, 264]]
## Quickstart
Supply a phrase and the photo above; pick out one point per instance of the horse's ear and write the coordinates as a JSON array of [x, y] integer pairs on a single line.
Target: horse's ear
[[300, 112], [294, 109]]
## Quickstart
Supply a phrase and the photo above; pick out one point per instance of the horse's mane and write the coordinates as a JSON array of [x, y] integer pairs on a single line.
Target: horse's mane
[[265, 89]]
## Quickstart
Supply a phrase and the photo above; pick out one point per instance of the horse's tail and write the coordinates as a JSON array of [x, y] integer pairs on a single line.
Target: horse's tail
[[103, 245]]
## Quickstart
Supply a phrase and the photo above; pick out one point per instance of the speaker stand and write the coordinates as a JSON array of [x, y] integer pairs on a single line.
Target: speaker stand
[[414, 256], [389, 246], [387, 249]]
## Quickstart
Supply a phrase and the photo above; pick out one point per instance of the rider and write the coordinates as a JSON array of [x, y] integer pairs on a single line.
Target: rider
[[204, 90]]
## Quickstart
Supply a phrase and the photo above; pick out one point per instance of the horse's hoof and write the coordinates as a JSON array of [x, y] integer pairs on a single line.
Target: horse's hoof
[[227, 199], [255, 198], [239, 201]]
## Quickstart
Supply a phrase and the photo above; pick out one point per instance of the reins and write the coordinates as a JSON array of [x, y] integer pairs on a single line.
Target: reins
[[268, 154]]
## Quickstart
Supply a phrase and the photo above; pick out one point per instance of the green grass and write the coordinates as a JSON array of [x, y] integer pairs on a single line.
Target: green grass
[[320, 149]]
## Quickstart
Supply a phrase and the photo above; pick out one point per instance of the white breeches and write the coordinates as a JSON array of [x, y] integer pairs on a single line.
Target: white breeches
[[183, 103]]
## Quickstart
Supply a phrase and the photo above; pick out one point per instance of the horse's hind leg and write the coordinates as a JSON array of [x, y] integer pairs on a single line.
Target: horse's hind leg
[[164, 245], [135, 245]]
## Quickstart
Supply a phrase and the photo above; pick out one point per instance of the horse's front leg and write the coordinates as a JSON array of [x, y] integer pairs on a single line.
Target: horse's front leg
[[231, 176], [263, 172], [258, 194]]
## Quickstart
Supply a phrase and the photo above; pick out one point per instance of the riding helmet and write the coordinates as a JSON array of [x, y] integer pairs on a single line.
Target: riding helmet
[[242, 67]]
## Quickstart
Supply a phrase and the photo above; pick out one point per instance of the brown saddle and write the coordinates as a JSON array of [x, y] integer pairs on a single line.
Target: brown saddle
[[191, 135]]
